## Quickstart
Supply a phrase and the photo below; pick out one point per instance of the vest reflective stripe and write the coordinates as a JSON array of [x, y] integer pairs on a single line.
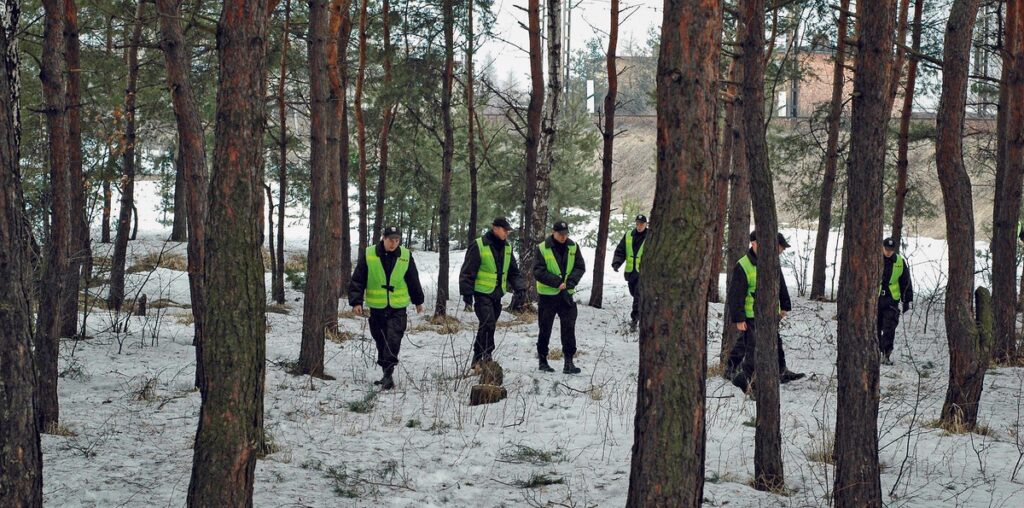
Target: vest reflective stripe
[[633, 258], [377, 294], [487, 275], [751, 271], [552, 263], [894, 280]]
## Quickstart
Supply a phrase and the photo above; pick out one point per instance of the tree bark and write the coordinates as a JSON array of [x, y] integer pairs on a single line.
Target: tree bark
[[607, 157], [234, 349], [906, 113], [115, 297], [533, 134], [277, 279], [21, 459], [108, 198], [968, 357], [739, 206], [361, 128], [54, 272], [722, 174], [828, 181], [447, 154], [768, 473], [344, 34], [669, 433], [80, 253], [1009, 178], [192, 153], [320, 306], [471, 126], [856, 445], [385, 124], [179, 233]]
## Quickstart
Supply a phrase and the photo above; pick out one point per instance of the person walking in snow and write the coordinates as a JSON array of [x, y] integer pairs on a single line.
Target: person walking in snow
[[630, 252], [740, 365], [487, 272], [386, 281], [558, 267], [896, 287]]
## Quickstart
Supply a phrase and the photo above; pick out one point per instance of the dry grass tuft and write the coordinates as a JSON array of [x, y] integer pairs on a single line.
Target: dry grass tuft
[[338, 337], [154, 260], [165, 303]]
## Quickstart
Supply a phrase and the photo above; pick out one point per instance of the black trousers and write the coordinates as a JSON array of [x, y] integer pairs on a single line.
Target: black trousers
[[564, 307], [488, 309], [888, 318], [387, 327], [744, 353], [634, 290]]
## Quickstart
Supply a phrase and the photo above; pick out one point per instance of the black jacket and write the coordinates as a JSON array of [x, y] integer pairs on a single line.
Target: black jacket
[[738, 291], [906, 286], [620, 251], [357, 286], [471, 265], [561, 252]]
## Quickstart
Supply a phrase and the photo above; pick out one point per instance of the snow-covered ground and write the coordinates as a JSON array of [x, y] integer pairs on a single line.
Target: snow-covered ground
[[127, 397]]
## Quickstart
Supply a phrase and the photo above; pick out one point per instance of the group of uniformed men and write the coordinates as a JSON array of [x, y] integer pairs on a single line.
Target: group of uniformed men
[[386, 281]]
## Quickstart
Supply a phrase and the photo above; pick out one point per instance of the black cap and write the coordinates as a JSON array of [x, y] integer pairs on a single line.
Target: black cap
[[889, 243], [641, 218], [782, 239], [392, 231], [502, 222], [561, 227]]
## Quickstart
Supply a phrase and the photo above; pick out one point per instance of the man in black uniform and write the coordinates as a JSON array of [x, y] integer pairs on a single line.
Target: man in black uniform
[[740, 366], [488, 270], [386, 280], [630, 252], [895, 288], [558, 268]]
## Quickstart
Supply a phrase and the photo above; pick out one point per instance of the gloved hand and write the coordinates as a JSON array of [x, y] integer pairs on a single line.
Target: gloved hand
[[906, 307], [468, 299]]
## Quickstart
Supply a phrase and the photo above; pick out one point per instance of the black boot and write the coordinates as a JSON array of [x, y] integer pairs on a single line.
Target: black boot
[[788, 375], [386, 380], [570, 368], [544, 367]]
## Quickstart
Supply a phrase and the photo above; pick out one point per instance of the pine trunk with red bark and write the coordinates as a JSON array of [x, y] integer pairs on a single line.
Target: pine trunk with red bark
[[607, 157], [444, 210], [903, 140], [361, 128], [80, 253], [669, 432], [234, 348], [471, 126], [385, 123], [739, 207], [722, 174], [534, 110], [277, 276], [345, 256]]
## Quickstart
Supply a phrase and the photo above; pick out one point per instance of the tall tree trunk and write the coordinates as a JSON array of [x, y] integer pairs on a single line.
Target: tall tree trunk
[[669, 434], [115, 297], [179, 233], [537, 222], [80, 253], [385, 123], [722, 174], [471, 126], [447, 154], [607, 157], [828, 181], [968, 356], [901, 53], [54, 276], [320, 306], [108, 198], [856, 443], [344, 34], [192, 155], [234, 345], [739, 206], [903, 142], [277, 278], [21, 459], [1009, 178], [361, 128], [533, 132], [768, 474]]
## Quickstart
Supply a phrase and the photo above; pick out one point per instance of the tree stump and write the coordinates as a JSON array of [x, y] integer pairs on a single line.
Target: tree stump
[[140, 306], [486, 394]]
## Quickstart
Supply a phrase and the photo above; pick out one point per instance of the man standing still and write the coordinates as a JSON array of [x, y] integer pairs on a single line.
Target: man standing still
[[558, 268], [386, 280]]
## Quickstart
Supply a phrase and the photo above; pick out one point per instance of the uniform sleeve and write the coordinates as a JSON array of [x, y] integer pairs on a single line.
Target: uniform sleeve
[[515, 278], [906, 285], [620, 254], [412, 280], [540, 270], [357, 285], [737, 294], [470, 267], [784, 302], [578, 269]]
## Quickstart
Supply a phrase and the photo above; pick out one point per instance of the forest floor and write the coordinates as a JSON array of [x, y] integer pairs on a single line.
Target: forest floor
[[129, 411]]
